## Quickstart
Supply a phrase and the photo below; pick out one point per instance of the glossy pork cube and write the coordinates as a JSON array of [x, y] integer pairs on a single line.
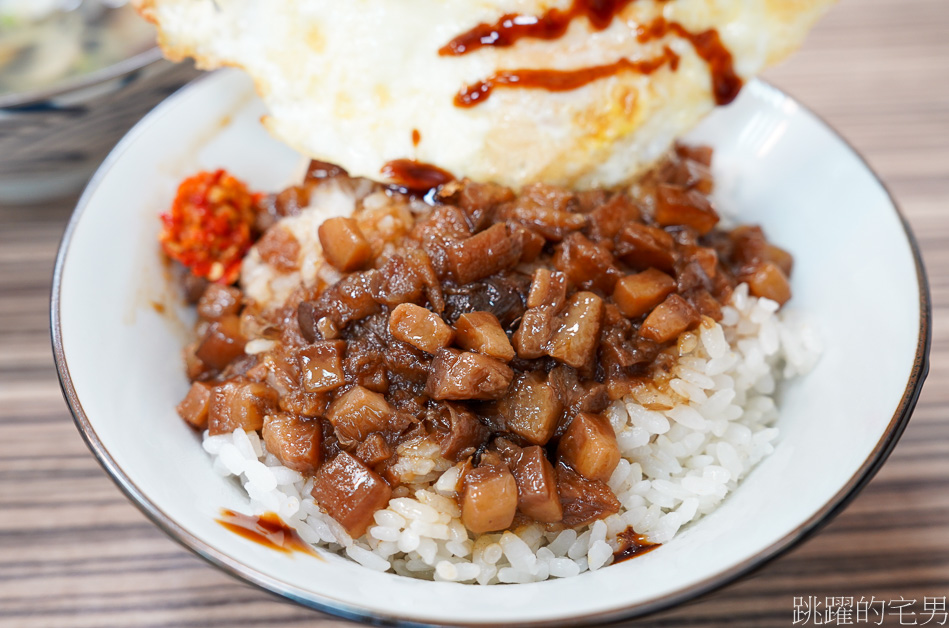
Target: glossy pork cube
[[533, 409], [350, 492], [240, 404], [537, 495], [637, 294], [194, 407], [223, 342], [489, 499], [585, 263], [321, 366], [548, 287], [458, 375], [358, 413], [583, 500], [465, 433], [344, 244], [769, 281], [589, 446], [670, 318], [483, 254], [419, 327], [530, 339], [374, 450], [642, 246], [482, 332], [219, 301], [577, 331], [295, 441], [676, 206]]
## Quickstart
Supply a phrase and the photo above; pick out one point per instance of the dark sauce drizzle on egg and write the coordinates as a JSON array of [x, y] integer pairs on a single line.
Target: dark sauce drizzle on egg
[[511, 28]]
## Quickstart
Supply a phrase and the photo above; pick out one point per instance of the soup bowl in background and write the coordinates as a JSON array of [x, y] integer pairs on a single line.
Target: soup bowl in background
[[72, 83]]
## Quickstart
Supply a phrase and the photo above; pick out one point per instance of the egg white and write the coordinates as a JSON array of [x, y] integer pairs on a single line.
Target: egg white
[[349, 82]]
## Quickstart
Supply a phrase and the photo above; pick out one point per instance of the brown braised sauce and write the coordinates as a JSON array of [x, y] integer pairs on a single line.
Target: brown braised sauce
[[559, 80], [554, 23], [267, 530], [415, 176], [416, 137], [632, 545], [725, 82], [551, 25]]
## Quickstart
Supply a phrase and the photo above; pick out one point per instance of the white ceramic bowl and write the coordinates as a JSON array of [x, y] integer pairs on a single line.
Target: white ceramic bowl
[[858, 274]]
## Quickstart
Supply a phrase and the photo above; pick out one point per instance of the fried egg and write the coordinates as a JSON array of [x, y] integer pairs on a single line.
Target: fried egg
[[362, 83]]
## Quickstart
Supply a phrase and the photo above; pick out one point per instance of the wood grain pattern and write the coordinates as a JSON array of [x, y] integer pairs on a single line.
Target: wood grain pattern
[[74, 552]]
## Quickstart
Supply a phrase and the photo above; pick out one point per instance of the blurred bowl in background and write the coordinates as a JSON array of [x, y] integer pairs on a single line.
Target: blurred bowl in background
[[74, 78]]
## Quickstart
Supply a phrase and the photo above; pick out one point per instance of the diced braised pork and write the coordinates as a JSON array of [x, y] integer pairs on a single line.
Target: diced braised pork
[[643, 246], [576, 331], [769, 282], [637, 294], [537, 495], [533, 409], [366, 363], [358, 413], [478, 201], [298, 443], [344, 244], [669, 319], [222, 343], [544, 209], [240, 404], [280, 249], [458, 375], [406, 278], [688, 208], [749, 245], [781, 258], [583, 500], [444, 226], [421, 328], [532, 243], [589, 446], [373, 450], [194, 407], [586, 264], [321, 366], [609, 218], [490, 329], [348, 300], [465, 433], [350, 492], [530, 339], [547, 288], [482, 332], [483, 254], [700, 154], [489, 499]]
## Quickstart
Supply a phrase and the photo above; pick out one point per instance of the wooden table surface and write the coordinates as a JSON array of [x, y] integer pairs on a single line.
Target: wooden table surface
[[75, 552]]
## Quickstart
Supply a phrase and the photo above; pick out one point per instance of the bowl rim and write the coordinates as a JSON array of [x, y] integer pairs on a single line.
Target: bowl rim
[[248, 575], [128, 65]]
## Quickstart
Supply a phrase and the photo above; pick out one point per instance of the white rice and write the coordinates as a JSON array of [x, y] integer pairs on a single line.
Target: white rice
[[686, 445]]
